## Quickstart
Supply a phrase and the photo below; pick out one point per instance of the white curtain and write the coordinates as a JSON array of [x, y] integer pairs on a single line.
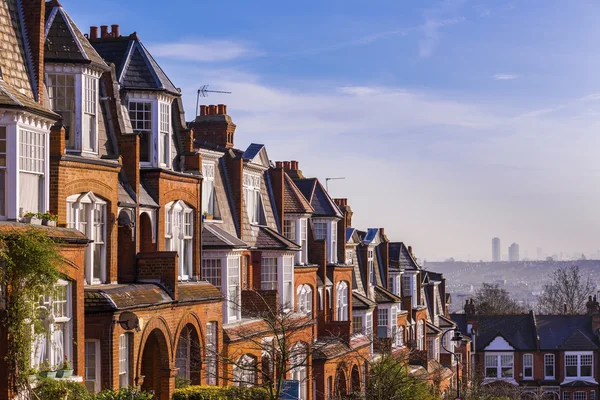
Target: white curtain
[[30, 192]]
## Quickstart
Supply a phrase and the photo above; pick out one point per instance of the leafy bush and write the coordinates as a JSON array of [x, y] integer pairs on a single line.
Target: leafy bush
[[128, 393], [53, 389], [220, 393]]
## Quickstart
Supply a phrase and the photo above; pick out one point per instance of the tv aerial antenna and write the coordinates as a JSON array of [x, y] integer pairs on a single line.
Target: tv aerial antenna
[[203, 92], [327, 182]]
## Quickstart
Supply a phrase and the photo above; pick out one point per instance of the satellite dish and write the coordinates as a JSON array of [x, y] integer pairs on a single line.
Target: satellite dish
[[129, 321]]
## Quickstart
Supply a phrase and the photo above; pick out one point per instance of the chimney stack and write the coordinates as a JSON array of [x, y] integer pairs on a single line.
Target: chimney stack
[[93, 32], [34, 12], [294, 165], [213, 125], [203, 110], [221, 109], [103, 31], [115, 32], [410, 251], [346, 210], [286, 165], [278, 164]]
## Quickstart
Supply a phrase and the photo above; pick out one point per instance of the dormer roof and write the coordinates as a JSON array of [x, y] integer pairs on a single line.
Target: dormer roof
[[319, 199], [293, 200], [398, 253], [64, 42]]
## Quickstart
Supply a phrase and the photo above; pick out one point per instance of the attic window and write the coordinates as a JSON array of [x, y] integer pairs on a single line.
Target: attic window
[[253, 198], [140, 113], [61, 92]]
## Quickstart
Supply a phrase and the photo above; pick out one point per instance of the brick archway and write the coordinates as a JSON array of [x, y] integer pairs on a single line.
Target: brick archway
[[188, 343], [355, 380], [155, 360], [340, 383]]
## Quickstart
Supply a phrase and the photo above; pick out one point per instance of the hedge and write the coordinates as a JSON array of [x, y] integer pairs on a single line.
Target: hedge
[[220, 393]]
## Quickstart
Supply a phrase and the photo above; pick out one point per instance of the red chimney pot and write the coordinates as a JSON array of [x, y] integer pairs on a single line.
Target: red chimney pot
[[115, 30], [220, 109], [278, 164], [203, 110], [294, 165], [103, 31], [286, 165], [93, 32]]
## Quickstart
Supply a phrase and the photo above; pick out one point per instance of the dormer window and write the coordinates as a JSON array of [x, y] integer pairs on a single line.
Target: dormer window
[[179, 234], [295, 230], [164, 142], [253, 198], [371, 266], [151, 118], [74, 95], [140, 113], [208, 189], [327, 230]]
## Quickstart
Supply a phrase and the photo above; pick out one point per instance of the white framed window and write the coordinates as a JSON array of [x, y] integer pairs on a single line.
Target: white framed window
[[289, 229], [527, 366], [394, 325], [298, 361], [371, 266], [579, 395], [244, 372], [357, 323], [89, 138], [87, 213], [420, 334], [268, 273], [164, 134], [233, 287], [92, 366], [3, 167], [55, 346], [124, 360], [211, 271], [140, 114], [333, 251], [211, 353], [548, 366], [566, 395], [288, 282], [342, 301], [320, 230], [32, 169], [61, 93], [179, 235], [499, 365], [383, 322], [305, 299], [208, 188], [369, 323], [252, 185], [592, 395], [400, 336], [579, 364], [303, 254], [349, 257], [406, 286]]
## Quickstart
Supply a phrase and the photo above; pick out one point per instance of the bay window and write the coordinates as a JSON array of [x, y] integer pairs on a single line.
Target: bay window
[[54, 345], [61, 93], [244, 371], [333, 253], [527, 366], [87, 213], [295, 230], [342, 301], [303, 254], [369, 323], [211, 271], [89, 139], [252, 185], [179, 235], [140, 114], [164, 134], [289, 229], [211, 353], [499, 365], [298, 361], [124, 360], [420, 334], [357, 323], [32, 168], [208, 189], [406, 286], [268, 273], [320, 230], [233, 288], [305, 299], [548, 366], [393, 329], [371, 266], [578, 364], [92, 366], [349, 258], [288, 283], [382, 322]]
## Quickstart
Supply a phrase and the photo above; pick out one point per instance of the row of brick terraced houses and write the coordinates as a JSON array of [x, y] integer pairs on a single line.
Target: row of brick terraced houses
[[169, 231]]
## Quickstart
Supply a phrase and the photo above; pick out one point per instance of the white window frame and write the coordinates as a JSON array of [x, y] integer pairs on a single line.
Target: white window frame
[[357, 323], [420, 334], [164, 134], [547, 363], [305, 299], [4, 144], [179, 236], [342, 294], [302, 255], [252, 184], [319, 229], [383, 321], [527, 363], [90, 206], [268, 273], [289, 229], [33, 162], [287, 284], [579, 395], [211, 353], [95, 379], [89, 120], [499, 364], [579, 355], [244, 372], [148, 127], [65, 84], [124, 344], [212, 270], [371, 266], [208, 189], [332, 234], [349, 256], [233, 288], [298, 368]]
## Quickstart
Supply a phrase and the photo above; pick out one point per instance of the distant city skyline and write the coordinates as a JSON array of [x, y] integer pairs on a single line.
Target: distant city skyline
[[513, 252], [496, 250]]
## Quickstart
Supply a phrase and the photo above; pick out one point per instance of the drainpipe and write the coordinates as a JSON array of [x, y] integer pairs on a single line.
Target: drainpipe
[[110, 344]]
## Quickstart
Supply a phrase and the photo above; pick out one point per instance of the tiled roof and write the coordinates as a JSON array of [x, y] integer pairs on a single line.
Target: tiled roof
[[432, 329], [65, 42], [65, 234], [198, 291], [215, 237], [383, 296], [100, 298], [446, 322], [145, 198], [252, 151], [293, 200], [398, 253], [361, 302], [136, 68], [461, 322], [11, 97], [517, 330], [566, 332], [269, 239], [124, 196], [318, 198]]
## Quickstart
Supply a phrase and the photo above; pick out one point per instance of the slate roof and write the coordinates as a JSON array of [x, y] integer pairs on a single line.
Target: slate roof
[[383, 296], [461, 322], [64, 42], [10, 97], [215, 237], [517, 330], [63, 234], [398, 253], [198, 291], [328, 348], [123, 195], [252, 151], [100, 298], [360, 302], [318, 198], [370, 235], [293, 200], [136, 68], [566, 332], [432, 329], [446, 322], [270, 239], [145, 198]]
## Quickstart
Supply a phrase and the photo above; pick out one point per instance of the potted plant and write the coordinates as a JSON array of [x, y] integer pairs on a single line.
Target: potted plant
[[46, 370], [48, 218], [207, 216], [32, 218], [65, 370]]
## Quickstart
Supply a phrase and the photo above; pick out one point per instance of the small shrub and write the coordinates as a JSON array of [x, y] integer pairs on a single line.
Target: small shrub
[[220, 393], [53, 389], [128, 393], [181, 382]]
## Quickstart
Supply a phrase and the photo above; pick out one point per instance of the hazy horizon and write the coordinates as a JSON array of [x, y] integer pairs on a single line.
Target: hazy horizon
[[452, 121]]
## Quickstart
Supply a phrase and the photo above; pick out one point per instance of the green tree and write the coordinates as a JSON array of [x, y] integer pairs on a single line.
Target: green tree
[[389, 379], [493, 300]]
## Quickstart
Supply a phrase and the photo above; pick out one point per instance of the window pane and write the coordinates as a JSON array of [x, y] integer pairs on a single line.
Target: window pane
[[211, 271], [269, 274]]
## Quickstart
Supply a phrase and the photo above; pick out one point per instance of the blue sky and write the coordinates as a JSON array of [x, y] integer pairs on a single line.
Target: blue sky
[[452, 121]]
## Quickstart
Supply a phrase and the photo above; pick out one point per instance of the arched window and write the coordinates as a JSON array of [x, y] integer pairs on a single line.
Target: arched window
[[298, 361], [420, 335], [87, 213], [179, 234], [400, 337], [244, 372], [342, 301], [305, 299]]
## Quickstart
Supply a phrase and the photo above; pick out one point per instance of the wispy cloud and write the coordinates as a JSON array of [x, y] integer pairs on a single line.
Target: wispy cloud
[[431, 35], [505, 77], [205, 50]]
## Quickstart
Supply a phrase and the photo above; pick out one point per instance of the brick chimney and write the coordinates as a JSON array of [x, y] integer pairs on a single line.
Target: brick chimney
[[277, 178], [213, 125], [34, 15], [346, 210], [104, 31], [93, 32], [291, 167], [115, 31]]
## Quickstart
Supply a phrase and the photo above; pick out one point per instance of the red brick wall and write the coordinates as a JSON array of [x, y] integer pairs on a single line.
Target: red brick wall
[[160, 265], [34, 15], [276, 175]]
